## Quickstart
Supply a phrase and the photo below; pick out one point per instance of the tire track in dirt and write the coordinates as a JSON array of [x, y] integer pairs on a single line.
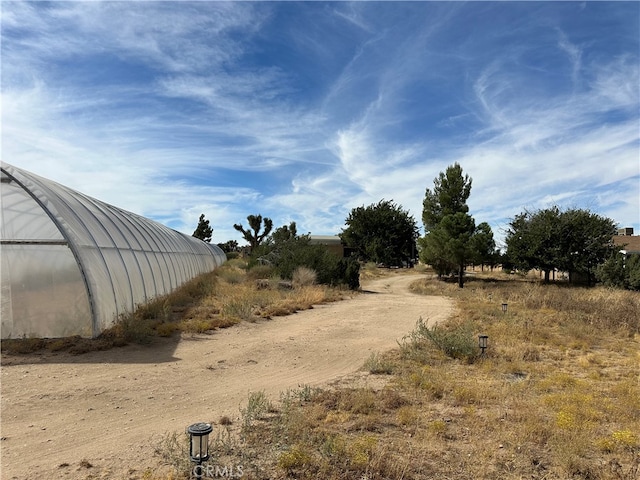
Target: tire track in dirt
[[99, 406]]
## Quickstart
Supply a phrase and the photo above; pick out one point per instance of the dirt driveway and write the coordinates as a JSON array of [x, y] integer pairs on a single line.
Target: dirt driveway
[[99, 415]]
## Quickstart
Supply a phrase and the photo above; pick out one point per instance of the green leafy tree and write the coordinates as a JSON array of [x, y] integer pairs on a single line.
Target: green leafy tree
[[532, 241], [203, 231], [585, 241], [575, 241], [252, 234], [381, 233], [448, 244]]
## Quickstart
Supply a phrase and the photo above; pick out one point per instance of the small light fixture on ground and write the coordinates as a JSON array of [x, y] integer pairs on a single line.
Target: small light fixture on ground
[[199, 444], [504, 308], [482, 343]]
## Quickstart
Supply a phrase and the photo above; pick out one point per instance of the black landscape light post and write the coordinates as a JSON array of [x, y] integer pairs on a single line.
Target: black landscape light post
[[482, 343], [504, 308], [199, 444]]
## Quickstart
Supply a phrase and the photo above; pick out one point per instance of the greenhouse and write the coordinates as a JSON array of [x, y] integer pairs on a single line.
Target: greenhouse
[[71, 265]]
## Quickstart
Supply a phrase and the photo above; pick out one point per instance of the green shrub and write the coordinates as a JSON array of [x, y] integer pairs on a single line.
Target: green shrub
[[258, 405], [454, 340], [260, 272], [620, 272], [348, 272], [330, 269]]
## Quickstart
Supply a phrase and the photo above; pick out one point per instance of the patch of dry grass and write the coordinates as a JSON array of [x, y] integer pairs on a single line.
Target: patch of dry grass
[[557, 395], [219, 299]]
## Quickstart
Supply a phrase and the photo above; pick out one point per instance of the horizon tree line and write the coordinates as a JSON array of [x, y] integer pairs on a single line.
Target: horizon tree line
[[574, 240]]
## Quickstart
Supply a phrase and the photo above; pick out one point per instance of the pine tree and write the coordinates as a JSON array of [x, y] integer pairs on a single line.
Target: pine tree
[[203, 231], [448, 242]]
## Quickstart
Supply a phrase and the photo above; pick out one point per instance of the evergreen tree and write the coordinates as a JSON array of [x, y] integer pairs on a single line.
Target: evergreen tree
[[451, 190], [284, 233], [449, 229], [203, 231], [229, 246], [484, 245]]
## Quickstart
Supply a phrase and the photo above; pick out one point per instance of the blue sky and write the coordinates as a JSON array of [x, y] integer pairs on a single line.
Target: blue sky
[[302, 111]]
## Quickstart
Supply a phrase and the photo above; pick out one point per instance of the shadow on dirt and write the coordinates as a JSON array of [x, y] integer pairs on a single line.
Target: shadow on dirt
[[85, 350]]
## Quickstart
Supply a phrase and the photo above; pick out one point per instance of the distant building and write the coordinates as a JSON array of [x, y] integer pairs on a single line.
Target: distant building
[[333, 243], [629, 242]]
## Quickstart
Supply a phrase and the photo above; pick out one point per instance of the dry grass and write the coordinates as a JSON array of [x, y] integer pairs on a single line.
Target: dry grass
[[219, 299], [557, 396], [303, 277]]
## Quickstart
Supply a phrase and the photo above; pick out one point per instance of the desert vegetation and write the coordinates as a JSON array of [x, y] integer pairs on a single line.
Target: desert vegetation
[[556, 395], [230, 294]]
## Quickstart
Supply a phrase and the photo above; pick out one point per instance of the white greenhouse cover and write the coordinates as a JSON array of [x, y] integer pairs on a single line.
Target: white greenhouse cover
[[71, 264]]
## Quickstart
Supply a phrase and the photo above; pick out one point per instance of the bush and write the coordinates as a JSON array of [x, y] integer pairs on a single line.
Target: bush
[[348, 272], [377, 364], [303, 277], [260, 272], [455, 340], [620, 272], [330, 269], [633, 272]]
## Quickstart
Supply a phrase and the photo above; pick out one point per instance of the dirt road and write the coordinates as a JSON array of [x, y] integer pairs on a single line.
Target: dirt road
[[62, 413]]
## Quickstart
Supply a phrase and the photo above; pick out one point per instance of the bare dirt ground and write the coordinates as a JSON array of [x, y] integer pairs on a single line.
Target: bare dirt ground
[[100, 415]]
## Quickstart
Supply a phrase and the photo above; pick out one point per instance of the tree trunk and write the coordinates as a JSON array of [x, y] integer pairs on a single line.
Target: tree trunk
[[460, 276], [546, 276]]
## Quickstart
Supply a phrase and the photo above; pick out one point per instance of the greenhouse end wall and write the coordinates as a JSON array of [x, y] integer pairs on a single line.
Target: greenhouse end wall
[[71, 264]]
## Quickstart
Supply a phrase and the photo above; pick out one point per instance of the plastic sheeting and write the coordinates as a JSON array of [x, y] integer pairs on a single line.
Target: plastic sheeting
[[71, 264]]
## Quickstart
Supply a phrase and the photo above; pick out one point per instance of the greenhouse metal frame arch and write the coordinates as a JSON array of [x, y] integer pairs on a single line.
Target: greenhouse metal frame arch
[[72, 265]]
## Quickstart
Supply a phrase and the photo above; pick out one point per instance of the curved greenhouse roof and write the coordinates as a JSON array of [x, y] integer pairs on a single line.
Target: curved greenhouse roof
[[71, 264]]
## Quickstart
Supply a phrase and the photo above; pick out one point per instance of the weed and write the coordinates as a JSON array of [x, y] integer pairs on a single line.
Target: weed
[[437, 427], [358, 400], [407, 416], [361, 450], [377, 364], [23, 345], [260, 272], [173, 450], [225, 420], [454, 340], [296, 458], [626, 439], [257, 406], [167, 329], [238, 309], [303, 277], [231, 275]]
